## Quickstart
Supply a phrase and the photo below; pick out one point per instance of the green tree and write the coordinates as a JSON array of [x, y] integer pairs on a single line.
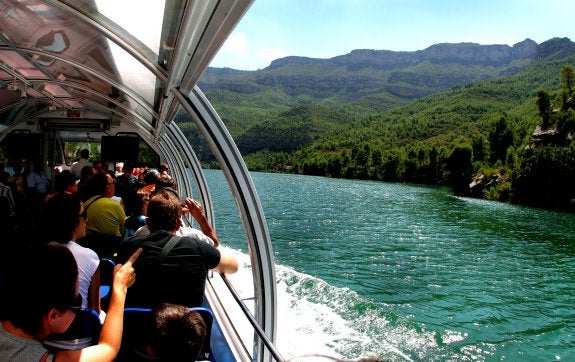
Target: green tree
[[544, 106], [567, 80], [460, 168], [500, 139], [480, 147]]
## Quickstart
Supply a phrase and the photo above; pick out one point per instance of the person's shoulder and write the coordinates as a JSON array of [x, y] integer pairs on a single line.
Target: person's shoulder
[[196, 243], [91, 199], [195, 234], [109, 202], [136, 239], [142, 238], [74, 246]]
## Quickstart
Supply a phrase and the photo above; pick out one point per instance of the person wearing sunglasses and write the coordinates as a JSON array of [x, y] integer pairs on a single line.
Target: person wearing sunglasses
[[65, 220], [40, 297]]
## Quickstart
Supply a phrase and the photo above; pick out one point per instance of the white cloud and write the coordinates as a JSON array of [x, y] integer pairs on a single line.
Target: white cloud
[[237, 53], [237, 43]]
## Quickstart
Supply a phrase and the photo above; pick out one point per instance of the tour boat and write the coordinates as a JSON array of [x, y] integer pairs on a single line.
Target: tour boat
[[119, 73]]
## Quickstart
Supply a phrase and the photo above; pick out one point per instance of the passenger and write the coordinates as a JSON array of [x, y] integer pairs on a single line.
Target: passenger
[[82, 162], [37, 181], [165, 181], [42, 300], [66, 222], [126, 181], [7, 198], [114, 197], [151, 178], [136, 205], [106, 217], [64, 182], [172, 269], [98, 166], [17, 180], [4, 174], [7, 217], [207, 233], [178, 333], [164, 170], [85, 176]]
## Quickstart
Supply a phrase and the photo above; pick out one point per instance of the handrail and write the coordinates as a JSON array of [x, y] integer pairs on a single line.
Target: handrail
[[269, 344]]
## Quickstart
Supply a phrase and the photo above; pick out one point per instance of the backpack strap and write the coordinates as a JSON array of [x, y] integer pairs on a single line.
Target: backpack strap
[[172, 241], [90, 204]]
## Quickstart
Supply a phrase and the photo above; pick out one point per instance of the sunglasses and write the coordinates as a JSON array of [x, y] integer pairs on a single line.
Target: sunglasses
[[77, 304], [84, 215]]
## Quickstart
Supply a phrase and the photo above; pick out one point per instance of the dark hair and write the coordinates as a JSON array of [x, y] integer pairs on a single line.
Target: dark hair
[[62, 180], [85, 153], [165, 181], [178, 334], [61, 216], [86, 172], [151, 176], [134, 201], [48, 281], [97, 184], [164, 211], [163, 167]]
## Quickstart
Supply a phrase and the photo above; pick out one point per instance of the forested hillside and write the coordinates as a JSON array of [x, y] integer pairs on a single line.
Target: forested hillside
[[368, 81], [466, 115]]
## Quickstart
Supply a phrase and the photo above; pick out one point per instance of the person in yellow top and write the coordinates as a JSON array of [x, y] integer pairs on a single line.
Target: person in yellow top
[[106, 217]]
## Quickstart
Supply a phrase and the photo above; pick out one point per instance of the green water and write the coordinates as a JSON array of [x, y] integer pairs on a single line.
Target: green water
[[417, 270]]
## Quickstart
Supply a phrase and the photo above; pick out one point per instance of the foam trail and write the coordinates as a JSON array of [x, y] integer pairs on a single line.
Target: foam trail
[[315, 318]]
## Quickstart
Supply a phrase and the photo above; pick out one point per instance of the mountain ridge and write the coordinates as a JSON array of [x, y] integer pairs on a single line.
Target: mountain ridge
[[440, 53], [402, 75], [371, 81], [436, 116]]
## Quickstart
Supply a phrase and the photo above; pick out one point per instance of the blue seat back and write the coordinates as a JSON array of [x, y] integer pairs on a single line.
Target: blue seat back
[[106, 281]]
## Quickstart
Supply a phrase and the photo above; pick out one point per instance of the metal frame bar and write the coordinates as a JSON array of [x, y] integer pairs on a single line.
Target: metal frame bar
[[243, 190]]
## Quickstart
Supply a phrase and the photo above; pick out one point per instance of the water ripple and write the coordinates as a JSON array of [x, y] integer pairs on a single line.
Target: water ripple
[[436, 276]]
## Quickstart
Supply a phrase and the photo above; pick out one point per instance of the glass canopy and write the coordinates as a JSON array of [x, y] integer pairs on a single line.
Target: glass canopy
[[119, 66], [117, 58]]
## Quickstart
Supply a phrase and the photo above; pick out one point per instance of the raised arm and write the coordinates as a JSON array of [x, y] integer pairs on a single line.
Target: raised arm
[[111, 335], [228, 264], [196, 210]]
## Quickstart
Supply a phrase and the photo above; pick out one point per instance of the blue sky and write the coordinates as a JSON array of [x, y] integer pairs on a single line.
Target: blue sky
[[273, 29]]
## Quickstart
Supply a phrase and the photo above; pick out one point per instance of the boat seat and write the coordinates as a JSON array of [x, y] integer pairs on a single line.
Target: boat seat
[[106, 281], [137, 324], [83, 332]]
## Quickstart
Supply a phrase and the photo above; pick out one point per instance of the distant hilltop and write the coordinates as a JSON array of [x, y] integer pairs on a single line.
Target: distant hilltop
[[459, 53], [382, 78]]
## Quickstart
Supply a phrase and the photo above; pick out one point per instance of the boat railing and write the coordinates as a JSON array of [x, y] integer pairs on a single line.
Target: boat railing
[[260, 332]]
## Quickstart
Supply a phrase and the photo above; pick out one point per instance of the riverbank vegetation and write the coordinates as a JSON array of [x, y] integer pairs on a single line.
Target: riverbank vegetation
[[489, 140], [507, 138]]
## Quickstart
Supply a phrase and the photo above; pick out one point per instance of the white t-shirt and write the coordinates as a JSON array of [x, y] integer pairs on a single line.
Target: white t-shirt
[[88, 262], [183, 231]]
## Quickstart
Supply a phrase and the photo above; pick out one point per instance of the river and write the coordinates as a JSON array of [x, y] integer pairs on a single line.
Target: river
[[408, 272]]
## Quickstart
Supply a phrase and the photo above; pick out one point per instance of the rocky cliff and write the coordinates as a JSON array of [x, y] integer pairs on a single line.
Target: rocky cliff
[[370, 76]]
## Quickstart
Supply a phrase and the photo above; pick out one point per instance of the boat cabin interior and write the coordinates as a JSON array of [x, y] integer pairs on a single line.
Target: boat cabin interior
[[116, 77]]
